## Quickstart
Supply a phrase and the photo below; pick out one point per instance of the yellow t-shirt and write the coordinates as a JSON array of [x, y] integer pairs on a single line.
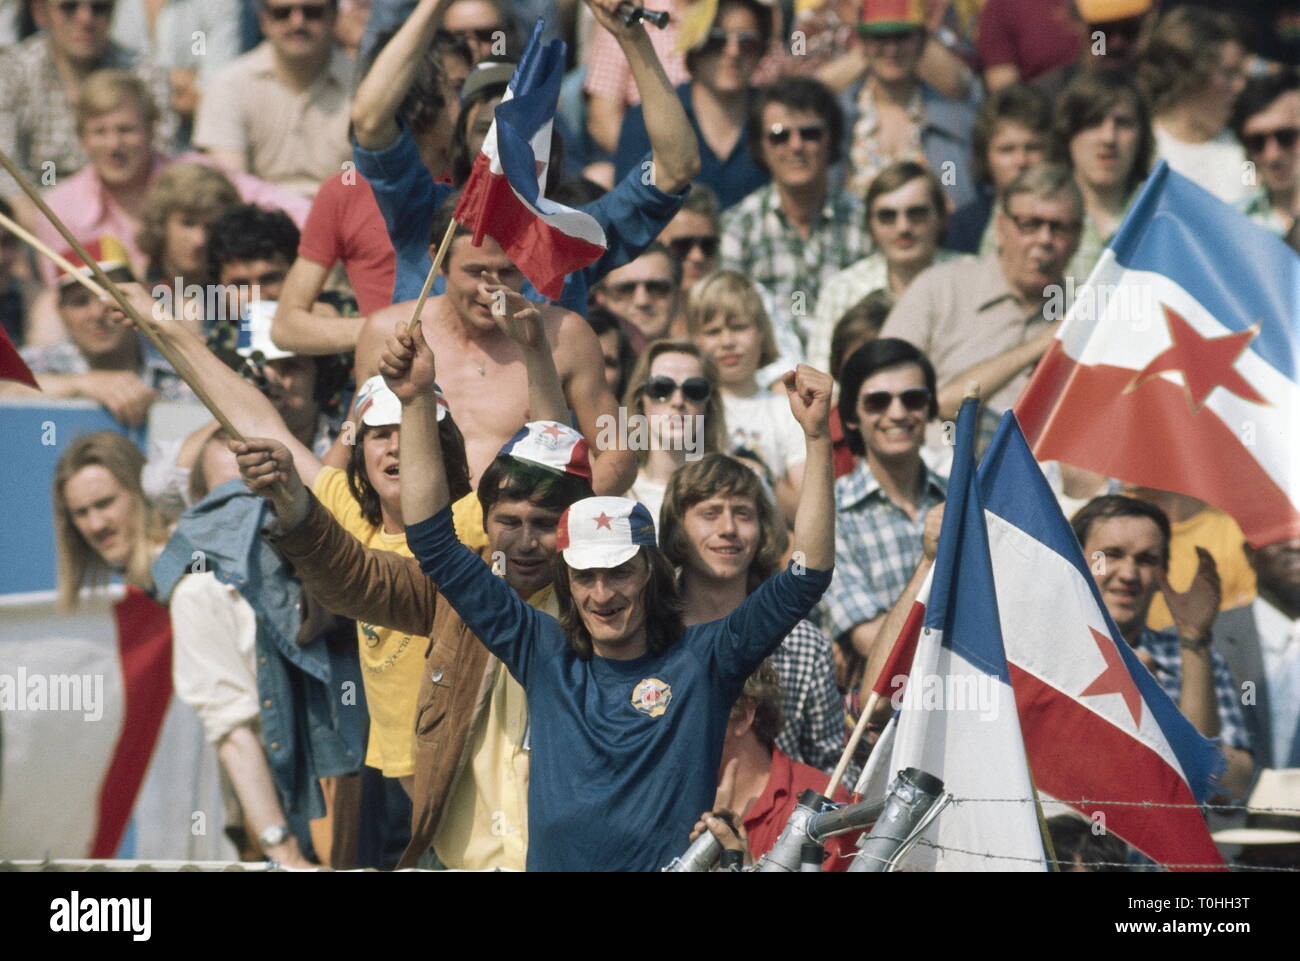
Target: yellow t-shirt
[[485, 823], [390, 660], [1219, 534]]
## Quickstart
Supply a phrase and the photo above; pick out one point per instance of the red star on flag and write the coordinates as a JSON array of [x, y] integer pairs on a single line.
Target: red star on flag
[[554, 430], [1204, 362], [603, 521], [1115, 679]]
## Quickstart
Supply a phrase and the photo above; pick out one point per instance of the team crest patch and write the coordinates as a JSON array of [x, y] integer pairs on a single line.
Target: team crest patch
[[651, 696]]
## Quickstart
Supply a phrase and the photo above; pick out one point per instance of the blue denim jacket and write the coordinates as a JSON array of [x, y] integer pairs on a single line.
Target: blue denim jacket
[[314, 717]]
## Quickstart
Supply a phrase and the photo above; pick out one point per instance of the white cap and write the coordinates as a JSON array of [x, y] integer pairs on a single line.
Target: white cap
[[255, 332]]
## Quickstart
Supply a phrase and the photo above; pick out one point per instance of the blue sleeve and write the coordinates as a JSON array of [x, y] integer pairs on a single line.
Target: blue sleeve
[[512, 630], [751, 632], [633, 142], [632, 216], [404, 190]]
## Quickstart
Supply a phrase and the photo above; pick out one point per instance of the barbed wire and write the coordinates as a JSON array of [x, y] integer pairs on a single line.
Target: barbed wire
[[1252, 809], [1125, 865]]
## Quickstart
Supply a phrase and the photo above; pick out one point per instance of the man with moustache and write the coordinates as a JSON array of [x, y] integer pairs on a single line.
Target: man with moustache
[[989, 319]]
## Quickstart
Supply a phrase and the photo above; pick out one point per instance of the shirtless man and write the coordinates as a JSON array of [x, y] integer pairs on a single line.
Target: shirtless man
[[482, 373]]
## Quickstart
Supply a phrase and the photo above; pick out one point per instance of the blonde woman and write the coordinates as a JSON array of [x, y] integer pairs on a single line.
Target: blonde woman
[[103, 525], [673, 414]]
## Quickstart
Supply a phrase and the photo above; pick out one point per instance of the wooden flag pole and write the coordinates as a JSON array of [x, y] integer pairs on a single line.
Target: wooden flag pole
[[113, 291], [858, 730], [434, 267], [36, 245]]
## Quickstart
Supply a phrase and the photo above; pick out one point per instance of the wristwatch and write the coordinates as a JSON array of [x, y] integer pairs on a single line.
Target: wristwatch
[[274, 835], [1197, 646]]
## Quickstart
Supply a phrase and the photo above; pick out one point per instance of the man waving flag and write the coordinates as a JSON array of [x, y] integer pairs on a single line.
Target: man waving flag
[[1177, 367], [504, 196]]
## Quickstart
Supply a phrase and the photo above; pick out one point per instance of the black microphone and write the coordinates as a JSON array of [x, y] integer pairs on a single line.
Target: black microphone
[[630, 14]]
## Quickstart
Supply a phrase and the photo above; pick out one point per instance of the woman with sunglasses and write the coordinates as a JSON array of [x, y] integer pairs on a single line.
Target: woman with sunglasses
[[887, 397], [674, 415]]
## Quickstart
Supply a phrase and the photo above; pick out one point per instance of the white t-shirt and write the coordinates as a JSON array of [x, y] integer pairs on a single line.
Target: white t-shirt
[[763, 423], [1218, 165], [650, 493]]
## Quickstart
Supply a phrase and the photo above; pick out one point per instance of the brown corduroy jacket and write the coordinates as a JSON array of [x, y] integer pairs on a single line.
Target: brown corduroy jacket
[[380, 587]]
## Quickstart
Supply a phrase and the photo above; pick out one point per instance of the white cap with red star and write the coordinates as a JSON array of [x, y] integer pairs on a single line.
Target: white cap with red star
[[377, 406], [603, 532], [551, 444]]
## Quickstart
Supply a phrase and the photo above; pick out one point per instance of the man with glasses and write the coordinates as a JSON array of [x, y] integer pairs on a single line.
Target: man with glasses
[[793, 234], [281, 111], [1267, 122], [39, 80], [716, 100], [887, 396], [989, 319], [646, 292]]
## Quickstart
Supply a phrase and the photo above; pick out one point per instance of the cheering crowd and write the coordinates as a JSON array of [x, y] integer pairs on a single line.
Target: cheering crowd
[[611, 569]]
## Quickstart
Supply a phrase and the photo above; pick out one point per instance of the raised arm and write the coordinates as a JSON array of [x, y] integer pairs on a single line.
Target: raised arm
[[585, 387], [675, 151], [374, 105], [409, 370], [809, 391], [246, 407], [521, 320]]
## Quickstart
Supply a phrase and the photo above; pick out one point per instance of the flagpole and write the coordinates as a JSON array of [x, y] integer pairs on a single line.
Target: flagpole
[[36, 245], [277, 490], [434, 267]]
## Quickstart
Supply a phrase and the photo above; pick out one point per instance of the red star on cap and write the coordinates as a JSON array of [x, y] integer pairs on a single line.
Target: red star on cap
[[603, 521], [1204, 362], [554, 430], [1115, 679]]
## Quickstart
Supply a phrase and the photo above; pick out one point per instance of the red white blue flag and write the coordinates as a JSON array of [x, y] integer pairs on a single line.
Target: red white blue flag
[[504, 196], [1099, 732], [1177, 365], [957, 717]]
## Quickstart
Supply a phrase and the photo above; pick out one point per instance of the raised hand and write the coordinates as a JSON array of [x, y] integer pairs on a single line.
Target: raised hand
[[809, 392], [930, 536], [606, 14], [1194, 609], [146, 306], [516, 315], [407, 363], [268, 470]]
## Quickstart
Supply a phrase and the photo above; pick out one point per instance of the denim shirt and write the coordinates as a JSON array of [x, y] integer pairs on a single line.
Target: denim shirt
[[313, 709]]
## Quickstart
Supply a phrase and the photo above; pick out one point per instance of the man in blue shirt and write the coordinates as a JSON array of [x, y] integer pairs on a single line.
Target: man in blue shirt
[[632, 214], [628, 708]]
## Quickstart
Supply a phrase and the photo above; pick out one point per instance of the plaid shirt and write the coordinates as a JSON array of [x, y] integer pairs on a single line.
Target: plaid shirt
[[39, 126], [877, 547], [812, 731], [1165, 648], [759, 242]]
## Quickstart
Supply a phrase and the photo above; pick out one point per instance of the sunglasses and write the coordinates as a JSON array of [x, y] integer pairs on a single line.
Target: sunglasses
[[309, 11], [99, 8], [887, 216], [682, 246], [1286, 138], [750, 42], [694, 389], [879, 401], [779, 133], [627, 288], [482, 34], [1030, 226]]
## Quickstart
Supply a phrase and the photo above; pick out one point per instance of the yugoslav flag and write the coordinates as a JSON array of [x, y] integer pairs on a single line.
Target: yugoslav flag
[[504, 195], [958, 717], [1177, 365], [1098, 727]]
